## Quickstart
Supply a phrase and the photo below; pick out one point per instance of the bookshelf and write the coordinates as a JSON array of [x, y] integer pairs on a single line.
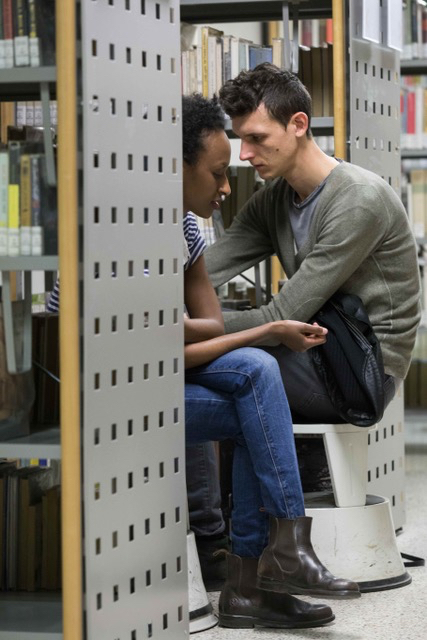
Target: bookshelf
[[32, 615]]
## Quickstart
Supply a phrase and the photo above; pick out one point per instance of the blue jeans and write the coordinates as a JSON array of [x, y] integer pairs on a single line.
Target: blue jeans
[[241, 396]]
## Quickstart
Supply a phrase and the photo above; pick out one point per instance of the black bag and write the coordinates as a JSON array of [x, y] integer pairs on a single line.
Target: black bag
[[350, 362]]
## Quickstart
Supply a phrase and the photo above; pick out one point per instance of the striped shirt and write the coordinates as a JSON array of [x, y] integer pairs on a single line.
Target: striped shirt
[[195, 246]]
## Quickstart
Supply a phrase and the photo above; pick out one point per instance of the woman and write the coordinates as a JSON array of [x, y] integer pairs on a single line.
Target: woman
[[235, 391]]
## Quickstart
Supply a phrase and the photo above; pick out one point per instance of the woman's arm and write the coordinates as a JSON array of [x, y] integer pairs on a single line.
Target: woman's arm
[[205, 317], [298, 336]]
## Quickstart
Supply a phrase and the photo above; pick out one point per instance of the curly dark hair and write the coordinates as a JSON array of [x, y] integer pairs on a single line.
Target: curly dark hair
[[281, 92], [200, 117]]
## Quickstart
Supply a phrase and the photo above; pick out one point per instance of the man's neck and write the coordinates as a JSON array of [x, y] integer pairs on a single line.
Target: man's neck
[[311, 168]]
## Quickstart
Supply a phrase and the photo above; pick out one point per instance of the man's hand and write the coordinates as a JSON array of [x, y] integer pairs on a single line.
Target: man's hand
[[298, 336]]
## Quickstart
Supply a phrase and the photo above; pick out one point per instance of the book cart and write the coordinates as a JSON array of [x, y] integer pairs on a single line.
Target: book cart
[[121, 438]]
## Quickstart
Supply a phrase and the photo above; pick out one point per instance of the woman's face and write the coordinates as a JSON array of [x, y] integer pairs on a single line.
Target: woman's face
[[206, 181]]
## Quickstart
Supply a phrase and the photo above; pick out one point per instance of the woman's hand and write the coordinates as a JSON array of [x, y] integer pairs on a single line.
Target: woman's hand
[[298, 336]]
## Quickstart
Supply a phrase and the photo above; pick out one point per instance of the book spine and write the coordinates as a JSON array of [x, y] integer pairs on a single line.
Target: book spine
[[4, 182], [8, 33], [13, 200], [25, 206], [34, 44], [21, 40], [36, 225]]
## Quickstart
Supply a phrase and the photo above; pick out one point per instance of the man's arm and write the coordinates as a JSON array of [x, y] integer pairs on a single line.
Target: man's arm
[[342, 237]]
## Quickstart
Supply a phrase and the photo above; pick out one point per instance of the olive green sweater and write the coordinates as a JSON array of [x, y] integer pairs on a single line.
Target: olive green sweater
[[359, 242]]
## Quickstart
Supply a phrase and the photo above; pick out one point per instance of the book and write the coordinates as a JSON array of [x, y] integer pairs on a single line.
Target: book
[[25, 205], [8, 34], [49, 212], [50, 565], [36, 215], [20, 29], [317, 81], [45, 25], [208, 36], [13, 199], [4, 185], [328, 80], [34, 483], [259, 54], [34, 42]]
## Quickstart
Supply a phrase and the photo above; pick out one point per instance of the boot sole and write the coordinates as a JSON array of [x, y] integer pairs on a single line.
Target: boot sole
[[245, 622], [268, 584]]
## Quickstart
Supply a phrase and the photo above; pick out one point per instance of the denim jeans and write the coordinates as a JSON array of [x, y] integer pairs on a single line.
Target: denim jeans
[[241, 396], [204, 491]]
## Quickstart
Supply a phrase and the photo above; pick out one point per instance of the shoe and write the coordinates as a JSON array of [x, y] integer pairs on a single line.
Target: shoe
[[212, 564], [243, 606], [289, 563]]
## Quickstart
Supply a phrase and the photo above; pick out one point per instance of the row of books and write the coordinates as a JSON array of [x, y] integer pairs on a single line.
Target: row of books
[[27, 33], [28, 208], [30, 113], [414, 29], [211, 58], [414, 197], [29, 527], [413, 111]]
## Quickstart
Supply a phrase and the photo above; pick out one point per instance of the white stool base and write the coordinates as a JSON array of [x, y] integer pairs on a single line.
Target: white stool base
[[358, 543], [200, 607]]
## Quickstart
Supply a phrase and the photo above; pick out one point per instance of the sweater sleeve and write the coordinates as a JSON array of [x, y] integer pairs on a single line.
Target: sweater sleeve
[[345, 232], [246, 243]]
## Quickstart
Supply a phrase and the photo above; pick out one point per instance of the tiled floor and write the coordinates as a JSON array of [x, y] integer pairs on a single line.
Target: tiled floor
[[396, 614]]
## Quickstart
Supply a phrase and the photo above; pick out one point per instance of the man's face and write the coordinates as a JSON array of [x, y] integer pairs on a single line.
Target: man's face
[[206, 181], [265, 143]]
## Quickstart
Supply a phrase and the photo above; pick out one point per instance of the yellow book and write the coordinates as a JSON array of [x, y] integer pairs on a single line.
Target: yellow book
[[13, 220], [206, 32], [13, 199]]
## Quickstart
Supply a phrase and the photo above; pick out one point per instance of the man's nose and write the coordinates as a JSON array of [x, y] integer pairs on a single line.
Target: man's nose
[[246, 152]]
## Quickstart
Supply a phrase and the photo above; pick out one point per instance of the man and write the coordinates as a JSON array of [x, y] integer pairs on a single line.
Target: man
[[334, 227]]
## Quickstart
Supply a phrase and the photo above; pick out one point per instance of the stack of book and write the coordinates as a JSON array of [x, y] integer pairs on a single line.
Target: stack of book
[[413, 111], [414, 29], [210, 58], [28, 208], [29, 528], [27, 33]]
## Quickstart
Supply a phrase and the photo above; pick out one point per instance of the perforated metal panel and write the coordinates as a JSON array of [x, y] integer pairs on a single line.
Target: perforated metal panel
[[374, 143], [134, 472], [374, 109]]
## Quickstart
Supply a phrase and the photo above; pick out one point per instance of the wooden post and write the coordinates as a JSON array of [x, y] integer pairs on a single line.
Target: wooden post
[[339, 64], [69, 320]]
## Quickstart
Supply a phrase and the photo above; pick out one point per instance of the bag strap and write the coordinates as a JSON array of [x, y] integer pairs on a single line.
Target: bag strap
[[413, 561]]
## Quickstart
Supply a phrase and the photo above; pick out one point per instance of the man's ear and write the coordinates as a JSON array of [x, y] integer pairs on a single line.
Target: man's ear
[[300, 121]]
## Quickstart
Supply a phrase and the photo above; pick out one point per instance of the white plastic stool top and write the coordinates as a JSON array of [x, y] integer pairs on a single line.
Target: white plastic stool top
[[346, 449]]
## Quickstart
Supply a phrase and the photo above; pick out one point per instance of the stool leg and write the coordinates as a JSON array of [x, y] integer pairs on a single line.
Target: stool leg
[[347, 455]]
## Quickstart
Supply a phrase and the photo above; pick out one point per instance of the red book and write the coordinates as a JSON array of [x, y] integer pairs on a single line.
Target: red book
[[410, 108], [7, 20], [329, 30]]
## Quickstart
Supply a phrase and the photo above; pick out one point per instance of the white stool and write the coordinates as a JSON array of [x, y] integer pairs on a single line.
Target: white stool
[[353, 533], [200, 608], [346, 449]]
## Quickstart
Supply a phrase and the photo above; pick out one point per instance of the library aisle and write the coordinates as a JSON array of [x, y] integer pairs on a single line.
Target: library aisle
[[385, 615]]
